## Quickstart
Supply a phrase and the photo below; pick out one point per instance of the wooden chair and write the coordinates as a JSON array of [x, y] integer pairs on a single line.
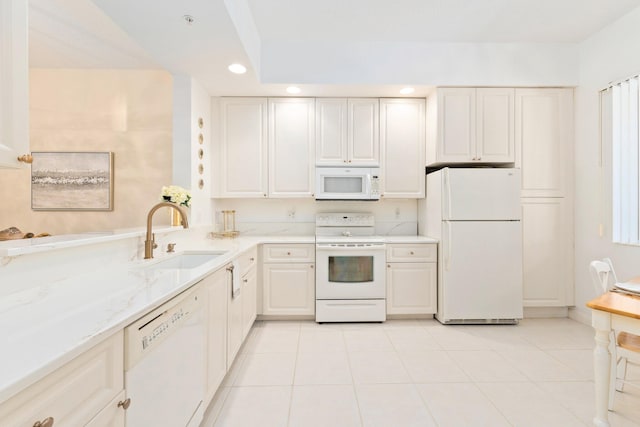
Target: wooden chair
[[625, 346]]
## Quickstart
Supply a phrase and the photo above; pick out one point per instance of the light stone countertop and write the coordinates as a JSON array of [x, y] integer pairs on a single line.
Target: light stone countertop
[[46, 326], [409, 239]]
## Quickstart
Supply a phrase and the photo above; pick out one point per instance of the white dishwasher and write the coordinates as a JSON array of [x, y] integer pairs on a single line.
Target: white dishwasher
[[165, 364]]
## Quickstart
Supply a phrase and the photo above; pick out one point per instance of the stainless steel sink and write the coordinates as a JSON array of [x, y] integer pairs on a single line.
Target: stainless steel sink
[[185, 260]]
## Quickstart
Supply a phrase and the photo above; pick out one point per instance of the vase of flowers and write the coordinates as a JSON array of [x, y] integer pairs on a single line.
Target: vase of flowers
[[179, 196]]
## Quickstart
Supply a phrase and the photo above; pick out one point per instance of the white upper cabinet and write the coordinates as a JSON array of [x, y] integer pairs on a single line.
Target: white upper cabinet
[[469, 125], [291, 147], [242, 166], [14, 82], [331, 131], [402, 145], [347, 132], [495, 135], [544, 132]]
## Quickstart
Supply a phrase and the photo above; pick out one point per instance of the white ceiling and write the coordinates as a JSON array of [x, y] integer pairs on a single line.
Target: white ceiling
[[476, 21], [307, 41]]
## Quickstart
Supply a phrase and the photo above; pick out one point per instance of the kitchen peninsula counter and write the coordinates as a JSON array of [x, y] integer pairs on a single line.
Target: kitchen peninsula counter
[[46, 325]]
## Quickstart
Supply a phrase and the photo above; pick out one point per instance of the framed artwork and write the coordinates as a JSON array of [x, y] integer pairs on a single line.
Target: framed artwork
[[72, 181]]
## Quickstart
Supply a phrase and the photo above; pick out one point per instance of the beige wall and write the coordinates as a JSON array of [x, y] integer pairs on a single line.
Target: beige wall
[[128, 112]]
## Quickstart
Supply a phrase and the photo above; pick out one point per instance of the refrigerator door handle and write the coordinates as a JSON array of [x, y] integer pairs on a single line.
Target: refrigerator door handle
[[447, 252], [447, 194]]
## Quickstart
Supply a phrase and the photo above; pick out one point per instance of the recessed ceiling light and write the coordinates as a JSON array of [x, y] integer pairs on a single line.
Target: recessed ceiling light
[[237, 68], [407, 90], [189, 19], [293, 89]]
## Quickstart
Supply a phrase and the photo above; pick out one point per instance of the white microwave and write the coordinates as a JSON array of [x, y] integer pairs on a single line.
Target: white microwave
[[351, 183]]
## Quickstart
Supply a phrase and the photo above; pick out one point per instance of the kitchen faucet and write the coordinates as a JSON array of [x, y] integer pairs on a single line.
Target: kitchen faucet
[[150, 242]]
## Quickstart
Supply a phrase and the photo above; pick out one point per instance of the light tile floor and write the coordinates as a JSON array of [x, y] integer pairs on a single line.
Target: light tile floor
[[416, 373]]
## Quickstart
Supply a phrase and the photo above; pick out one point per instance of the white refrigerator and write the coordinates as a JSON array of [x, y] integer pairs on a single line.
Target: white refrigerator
[[475, 214]]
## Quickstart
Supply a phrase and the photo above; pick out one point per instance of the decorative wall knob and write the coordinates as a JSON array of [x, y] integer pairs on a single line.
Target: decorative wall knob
[[26, 158], [124, 404], [47, 422]]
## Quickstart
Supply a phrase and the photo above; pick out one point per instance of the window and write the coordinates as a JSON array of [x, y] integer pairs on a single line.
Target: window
[[620, 119]]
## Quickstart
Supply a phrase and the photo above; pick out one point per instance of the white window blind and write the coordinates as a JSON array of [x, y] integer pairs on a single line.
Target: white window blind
[[620, 120]]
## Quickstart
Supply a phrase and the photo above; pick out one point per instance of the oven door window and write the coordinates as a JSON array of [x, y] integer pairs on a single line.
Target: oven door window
[[351, 269]]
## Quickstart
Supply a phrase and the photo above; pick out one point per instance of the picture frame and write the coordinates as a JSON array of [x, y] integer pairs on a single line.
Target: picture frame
[[72, 181]]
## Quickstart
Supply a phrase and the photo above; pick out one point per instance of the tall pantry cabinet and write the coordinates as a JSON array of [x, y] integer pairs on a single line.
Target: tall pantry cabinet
[[544, 136]]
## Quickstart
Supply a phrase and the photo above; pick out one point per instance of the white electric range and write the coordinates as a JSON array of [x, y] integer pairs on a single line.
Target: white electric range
[[350, 269]]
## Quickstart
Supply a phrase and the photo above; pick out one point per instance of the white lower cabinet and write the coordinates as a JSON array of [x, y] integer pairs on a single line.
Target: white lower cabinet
[[82, 391], [112, 415], [234, 319], [412, 276], [288, 279], [249, 283], [249, 300], [216, 285], [547, 253]]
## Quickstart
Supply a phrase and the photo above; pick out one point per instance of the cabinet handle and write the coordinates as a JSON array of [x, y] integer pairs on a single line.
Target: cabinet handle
[[311, 266], [479, 158], [28, 158], [230, 268], [388, 265], [124, 404], [252, 259], [411, 253], [47, 422], [245, 280], [288, 253], [264, 195]]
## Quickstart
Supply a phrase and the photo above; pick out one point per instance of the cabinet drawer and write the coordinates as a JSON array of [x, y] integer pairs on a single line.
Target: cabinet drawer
[[247, 260], [73, 394], [288, 253], [412, 252]]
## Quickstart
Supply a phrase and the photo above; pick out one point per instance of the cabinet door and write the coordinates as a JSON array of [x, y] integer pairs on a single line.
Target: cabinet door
[[456, 139], [289, 289], [547, 260], [495, 135], [112, 415], [411, 288], [216, 285], [14, 82], [291, 147], [331, 131], [363, 132], [73, 394], [242, 170], [544, 132], [249, 303], [402, 145], [234, 322]]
